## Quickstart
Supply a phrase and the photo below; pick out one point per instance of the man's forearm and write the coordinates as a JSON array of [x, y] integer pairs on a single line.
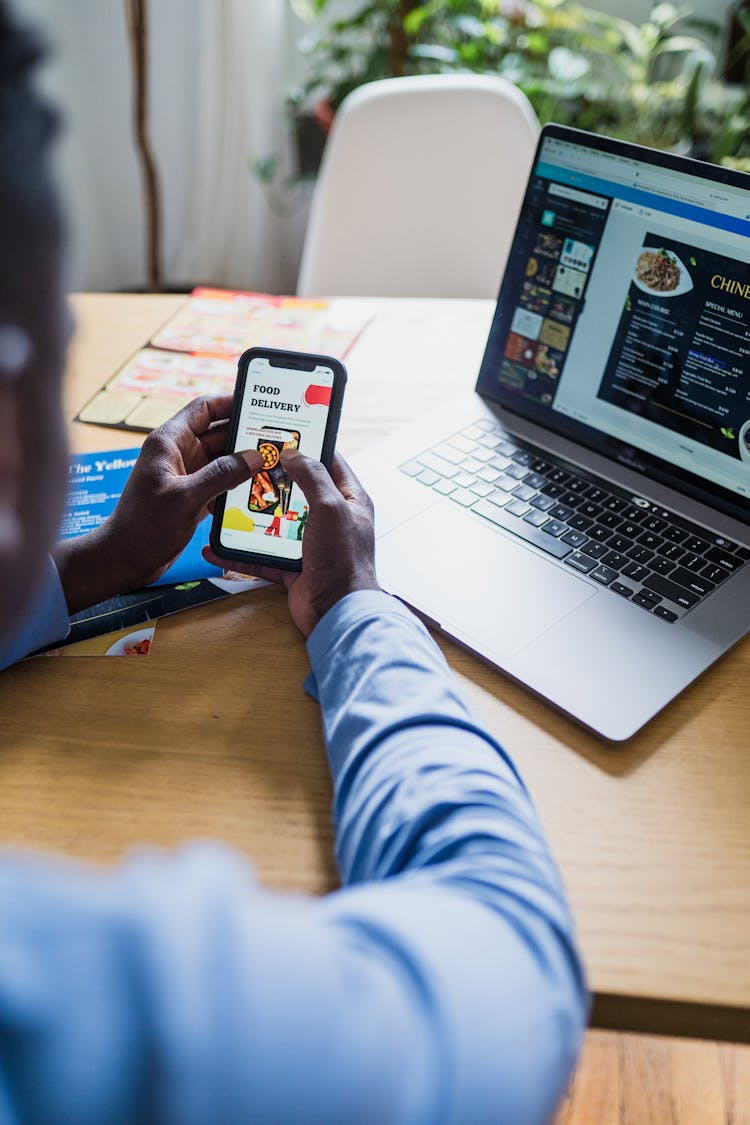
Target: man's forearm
[[91, 569]]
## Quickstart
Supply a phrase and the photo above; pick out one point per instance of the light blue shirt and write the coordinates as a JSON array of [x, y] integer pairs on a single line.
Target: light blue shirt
[[440, 985]]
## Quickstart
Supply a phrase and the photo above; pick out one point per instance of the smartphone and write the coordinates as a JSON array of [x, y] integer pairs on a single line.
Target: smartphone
[[282, 400]]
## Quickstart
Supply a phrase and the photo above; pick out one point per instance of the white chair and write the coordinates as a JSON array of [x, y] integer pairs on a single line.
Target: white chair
[[419, 189]]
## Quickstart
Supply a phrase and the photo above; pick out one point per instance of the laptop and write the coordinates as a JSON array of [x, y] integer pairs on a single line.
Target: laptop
[[582, 519]]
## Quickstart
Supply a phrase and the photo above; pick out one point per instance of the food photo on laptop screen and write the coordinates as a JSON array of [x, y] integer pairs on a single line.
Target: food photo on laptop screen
[[625, 309], [597, 479]]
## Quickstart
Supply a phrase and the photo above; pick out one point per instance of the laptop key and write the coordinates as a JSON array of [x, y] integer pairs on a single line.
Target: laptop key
[[619, 543], [603, 574], [581, 562], [698, 584], [535, 518], [483, 455], [575, 538], [576, 485], [555, 527], [501, 463], [438, 464], [519, 472], [579, 523], [517, 508], [589, 509], [412, 468], [464, 479], [560, 512], [696, 545], [595, 550], [675, 534], [428, 477], [535, 480], [462, 443], [662, 566], [635, 571], [471, 465], [523, 492], [601, 534], [628, 529], [463, 497], [632, 514], [654, 524], [482, 488], [444, 487], [621, 589], [714, 573], [543, 503], [646, 599], [595, 495], [523, 530], [649, 540], [663, 612], [721, 558], [609, 519], [487, 473], [615, 560], [670, 590], [450, 453]]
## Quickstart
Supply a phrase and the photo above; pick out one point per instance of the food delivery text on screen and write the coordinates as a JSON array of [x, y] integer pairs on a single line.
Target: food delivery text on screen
[[281, 409]]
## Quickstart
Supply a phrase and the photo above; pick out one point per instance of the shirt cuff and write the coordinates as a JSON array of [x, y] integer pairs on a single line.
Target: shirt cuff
[[353, 608], [46, 621]]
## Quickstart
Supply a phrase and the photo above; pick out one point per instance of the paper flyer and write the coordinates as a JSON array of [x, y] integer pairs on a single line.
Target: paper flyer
[[196, 351]]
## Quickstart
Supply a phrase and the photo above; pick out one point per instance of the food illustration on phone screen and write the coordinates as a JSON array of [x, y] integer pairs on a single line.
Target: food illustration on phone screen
[[267, 514], [272, 486]]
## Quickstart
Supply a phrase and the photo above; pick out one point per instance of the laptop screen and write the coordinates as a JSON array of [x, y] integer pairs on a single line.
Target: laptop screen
[[623, 319]]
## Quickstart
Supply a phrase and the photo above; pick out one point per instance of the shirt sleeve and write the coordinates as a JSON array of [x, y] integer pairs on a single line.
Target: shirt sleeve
[[441, 984], [46, 622]]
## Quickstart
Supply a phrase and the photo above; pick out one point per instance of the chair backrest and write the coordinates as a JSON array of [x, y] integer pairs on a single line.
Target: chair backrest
[[419, 189]]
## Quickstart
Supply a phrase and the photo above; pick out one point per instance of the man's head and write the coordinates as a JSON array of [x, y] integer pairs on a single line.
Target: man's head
[[33, 328]]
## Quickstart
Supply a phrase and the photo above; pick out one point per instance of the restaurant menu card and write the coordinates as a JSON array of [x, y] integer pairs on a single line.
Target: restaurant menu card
[[196, 351], [96, 483]]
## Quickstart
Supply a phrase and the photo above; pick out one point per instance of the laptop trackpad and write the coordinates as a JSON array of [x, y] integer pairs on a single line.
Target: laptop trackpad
[[476, 583]]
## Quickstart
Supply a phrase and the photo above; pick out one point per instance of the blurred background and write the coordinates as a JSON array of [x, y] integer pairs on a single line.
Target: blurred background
[[194, 128]]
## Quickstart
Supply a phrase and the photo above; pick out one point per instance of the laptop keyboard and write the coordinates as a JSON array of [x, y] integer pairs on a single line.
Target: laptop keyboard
[[654, 558]]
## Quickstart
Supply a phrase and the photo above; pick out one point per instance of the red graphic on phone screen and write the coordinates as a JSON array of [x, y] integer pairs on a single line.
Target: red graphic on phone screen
[[318, 396]]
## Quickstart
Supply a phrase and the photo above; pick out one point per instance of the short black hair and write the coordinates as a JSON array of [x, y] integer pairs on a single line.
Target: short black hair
[[31, 221]]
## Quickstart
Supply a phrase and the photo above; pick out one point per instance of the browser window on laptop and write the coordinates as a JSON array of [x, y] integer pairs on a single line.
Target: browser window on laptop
[[624, 315]]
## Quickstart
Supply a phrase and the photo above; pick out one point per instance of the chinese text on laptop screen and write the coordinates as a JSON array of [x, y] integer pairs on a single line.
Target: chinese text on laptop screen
[[625, 309]]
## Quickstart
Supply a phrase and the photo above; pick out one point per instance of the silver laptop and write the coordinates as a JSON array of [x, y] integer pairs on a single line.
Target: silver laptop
[[582, 520]]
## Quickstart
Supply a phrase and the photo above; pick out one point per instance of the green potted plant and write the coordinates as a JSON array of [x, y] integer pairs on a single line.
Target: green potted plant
[[653, 83]]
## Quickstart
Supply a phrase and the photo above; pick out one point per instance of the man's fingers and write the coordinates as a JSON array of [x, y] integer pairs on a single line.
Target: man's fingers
[[198, 415], [222, 474], [215, 441], [312, 477], [346, 480]]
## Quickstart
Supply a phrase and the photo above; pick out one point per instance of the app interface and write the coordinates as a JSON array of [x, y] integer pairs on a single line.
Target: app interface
[[281, 409], [627, 307]]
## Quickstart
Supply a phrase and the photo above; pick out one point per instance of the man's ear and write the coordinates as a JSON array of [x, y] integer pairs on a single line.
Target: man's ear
[[15, 352]]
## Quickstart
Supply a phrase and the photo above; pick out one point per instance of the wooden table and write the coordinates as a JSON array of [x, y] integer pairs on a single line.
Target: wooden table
[[653, 839]]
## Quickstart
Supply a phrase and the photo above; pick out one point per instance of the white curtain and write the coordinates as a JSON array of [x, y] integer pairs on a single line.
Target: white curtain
[[230, 235], [219, 74]]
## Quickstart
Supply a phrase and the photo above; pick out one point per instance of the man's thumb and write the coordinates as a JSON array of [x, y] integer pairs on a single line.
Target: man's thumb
[[223, 473]]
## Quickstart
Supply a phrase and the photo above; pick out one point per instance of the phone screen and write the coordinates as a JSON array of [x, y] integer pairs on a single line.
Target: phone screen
[[282, 408]]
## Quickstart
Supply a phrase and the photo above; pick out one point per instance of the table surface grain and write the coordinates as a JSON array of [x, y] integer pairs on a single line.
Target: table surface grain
[[653, 837]]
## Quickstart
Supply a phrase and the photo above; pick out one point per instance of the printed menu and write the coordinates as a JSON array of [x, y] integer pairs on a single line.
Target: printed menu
[[196, 351]]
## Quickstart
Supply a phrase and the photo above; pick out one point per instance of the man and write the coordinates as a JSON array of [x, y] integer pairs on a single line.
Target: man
[[441, 984]]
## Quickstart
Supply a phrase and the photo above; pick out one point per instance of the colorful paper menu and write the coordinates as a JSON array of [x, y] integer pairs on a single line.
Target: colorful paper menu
[[196, 351]]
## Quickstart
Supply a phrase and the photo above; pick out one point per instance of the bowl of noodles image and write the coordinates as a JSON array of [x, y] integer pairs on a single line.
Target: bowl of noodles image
[[660, 273]]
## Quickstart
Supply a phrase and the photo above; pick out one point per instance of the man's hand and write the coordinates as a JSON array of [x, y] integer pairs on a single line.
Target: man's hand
[[338, 547], [180, 471]]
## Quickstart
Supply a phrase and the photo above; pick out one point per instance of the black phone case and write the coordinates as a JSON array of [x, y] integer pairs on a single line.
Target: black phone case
[[278, 358]]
